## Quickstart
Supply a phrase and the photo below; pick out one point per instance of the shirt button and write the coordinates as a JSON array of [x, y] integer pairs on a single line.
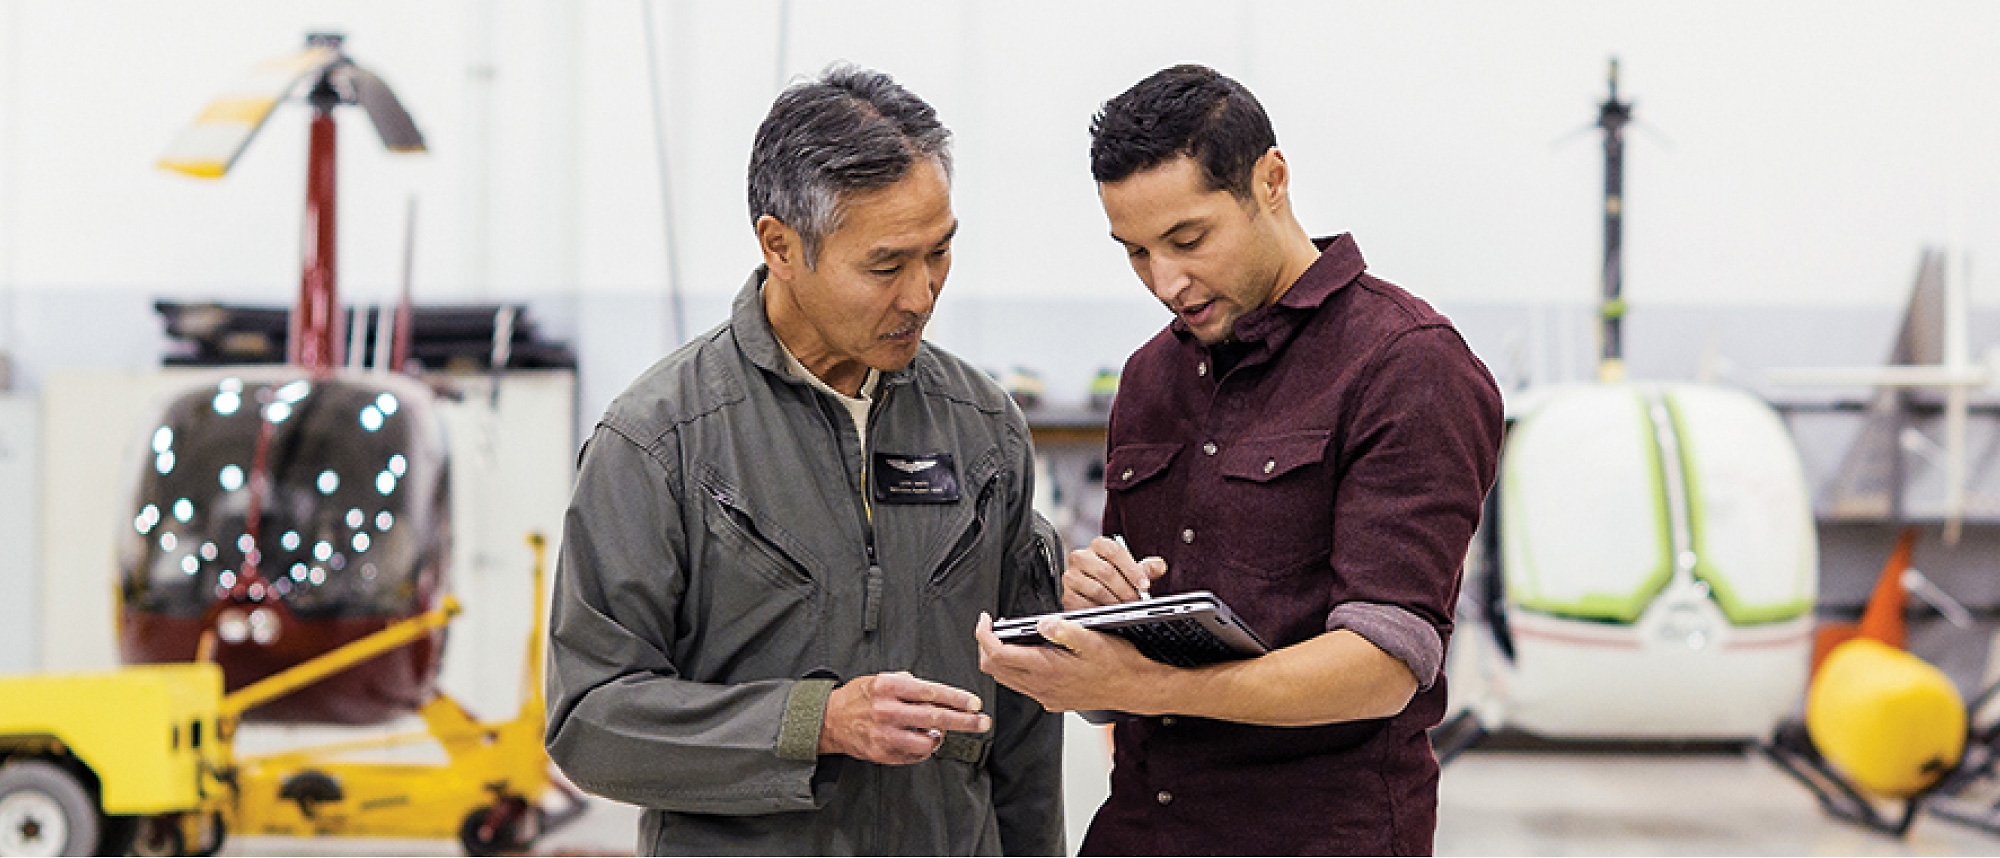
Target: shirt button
[[1165, 797], [1187, 536], [1201, 368], [1208, 448], [1127, 475], [1167, 721], [1270, 465]]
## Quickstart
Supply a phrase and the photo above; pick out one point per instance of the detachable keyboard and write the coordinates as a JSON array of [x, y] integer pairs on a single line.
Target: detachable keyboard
[[1180, 642]]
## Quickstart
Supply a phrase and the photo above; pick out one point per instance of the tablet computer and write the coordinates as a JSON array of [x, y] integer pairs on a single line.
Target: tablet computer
[[1185, 629]]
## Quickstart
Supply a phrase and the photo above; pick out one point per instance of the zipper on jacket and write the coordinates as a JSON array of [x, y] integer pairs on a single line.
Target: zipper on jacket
[[970, 539], [746, 524], [871, 606], [871, 602]]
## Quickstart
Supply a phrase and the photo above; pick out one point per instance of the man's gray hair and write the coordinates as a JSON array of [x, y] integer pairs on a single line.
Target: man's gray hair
[[849, 130]]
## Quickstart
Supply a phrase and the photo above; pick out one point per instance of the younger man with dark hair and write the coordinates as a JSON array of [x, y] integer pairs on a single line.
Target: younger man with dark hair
[[1309, 442]]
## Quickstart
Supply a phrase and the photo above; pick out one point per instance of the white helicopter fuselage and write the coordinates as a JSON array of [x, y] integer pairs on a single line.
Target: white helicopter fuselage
[[1657, 569]]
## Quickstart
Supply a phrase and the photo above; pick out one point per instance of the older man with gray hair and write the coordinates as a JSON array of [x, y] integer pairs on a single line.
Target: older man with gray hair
[[782, 536]]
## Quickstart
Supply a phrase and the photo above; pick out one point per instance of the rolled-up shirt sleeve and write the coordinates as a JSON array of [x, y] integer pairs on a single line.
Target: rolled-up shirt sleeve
[[1403, 635], [622, 722], [1423, 450]]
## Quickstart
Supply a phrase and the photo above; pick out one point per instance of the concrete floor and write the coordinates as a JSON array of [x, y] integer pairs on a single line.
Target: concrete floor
[[1490, 803], [1521, 803]]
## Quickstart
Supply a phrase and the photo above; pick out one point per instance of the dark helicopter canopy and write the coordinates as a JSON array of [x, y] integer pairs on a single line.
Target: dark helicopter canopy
[[353, 521]]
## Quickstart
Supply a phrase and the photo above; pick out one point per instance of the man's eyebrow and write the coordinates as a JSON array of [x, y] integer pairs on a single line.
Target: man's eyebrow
[[1179, 225], [1182, 224], [891, 254]]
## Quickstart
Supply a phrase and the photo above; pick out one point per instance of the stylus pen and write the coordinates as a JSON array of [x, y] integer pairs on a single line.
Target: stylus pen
[[1144, 592]]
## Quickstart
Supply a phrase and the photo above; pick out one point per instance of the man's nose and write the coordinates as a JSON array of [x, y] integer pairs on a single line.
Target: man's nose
[[1169, 280], [918, 292]]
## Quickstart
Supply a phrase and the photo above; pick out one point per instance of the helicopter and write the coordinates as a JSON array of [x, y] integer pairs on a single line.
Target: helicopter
[[282, 511], [1647, 565]]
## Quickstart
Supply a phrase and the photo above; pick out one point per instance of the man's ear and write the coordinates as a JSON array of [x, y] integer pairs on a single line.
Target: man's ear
[[783, 252], [1271, 179]]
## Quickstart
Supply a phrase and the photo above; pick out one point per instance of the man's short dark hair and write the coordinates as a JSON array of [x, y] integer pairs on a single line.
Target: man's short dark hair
[[1186, 110], [848, 130]]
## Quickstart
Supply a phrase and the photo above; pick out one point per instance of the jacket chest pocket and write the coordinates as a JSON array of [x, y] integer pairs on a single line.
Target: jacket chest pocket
[[740, 539], [753, 607], [974, 541], [1276, 497]]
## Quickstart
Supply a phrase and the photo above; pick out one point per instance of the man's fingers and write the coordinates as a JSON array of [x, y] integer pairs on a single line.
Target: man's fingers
[[905, 702], [1093, 565], [897, 719], [1063, 633], [991, 648], [922, 716], [959, 722], [1093, 580], [902, 686], [897, 745], [1082, 590], [1136, 577], [1111, 550], [1011, 666], [1111, 565], [1120, 558]]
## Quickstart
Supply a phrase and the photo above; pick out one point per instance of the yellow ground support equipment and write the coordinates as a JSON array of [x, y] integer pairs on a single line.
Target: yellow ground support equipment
[[84, 757], [1891, 722], [142, 759]]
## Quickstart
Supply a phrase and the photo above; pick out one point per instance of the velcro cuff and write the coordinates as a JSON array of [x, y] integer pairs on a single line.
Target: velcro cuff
[[805, 712], [966, 748], [1396, 631]]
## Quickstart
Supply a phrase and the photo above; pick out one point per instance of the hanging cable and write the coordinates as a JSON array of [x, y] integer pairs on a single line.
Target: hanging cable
[[784, 43], [10, 182], [675, 307]]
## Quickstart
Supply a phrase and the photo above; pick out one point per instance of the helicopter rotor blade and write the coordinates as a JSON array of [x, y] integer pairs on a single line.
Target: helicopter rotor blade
[[399, 132], [210, 145]]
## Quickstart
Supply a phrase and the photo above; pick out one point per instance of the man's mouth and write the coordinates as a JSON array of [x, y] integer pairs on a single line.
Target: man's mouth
[[1197, 313], [910, 330]]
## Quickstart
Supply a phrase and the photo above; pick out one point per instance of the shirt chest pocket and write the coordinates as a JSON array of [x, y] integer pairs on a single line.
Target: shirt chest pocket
[[1137, 486], [1272, 457], [1275, 498], [1133, 465]]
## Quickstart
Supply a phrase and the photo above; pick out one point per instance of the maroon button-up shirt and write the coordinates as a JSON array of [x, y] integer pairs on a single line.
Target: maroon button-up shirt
[[1336, 468]]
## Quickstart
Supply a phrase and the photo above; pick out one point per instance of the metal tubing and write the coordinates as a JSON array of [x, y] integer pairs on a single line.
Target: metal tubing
[[315, 325], [306, 673]]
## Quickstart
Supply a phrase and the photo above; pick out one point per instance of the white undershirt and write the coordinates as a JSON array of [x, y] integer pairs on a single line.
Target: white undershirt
[[857, 406]]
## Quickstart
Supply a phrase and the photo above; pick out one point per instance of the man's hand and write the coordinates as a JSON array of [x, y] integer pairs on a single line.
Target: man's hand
[[1086, 670], [1105, 573], [897, 719]]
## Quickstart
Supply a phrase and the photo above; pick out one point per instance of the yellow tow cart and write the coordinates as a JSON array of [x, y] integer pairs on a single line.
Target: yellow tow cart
[[155, 771]]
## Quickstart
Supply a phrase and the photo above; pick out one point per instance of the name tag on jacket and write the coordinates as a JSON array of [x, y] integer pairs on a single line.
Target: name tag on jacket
[[929, 478]]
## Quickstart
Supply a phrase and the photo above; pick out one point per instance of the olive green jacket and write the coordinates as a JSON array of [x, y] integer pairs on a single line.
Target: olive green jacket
[[715, 582]]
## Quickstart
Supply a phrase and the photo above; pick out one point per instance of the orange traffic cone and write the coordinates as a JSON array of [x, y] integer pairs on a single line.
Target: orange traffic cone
[[1882, 620]]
